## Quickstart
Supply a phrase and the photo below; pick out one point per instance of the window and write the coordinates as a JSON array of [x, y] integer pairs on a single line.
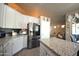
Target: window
[[75, 28]]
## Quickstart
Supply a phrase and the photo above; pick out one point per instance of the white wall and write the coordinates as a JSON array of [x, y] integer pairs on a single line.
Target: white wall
[[44, 29]]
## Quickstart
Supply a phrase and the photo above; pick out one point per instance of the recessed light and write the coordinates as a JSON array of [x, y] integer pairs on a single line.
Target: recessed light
[[54, 27], [62, 26]]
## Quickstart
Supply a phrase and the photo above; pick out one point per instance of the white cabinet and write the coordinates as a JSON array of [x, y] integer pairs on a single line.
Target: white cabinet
[[17, 44], [1, 50], [7, 16], [25, 21], [2, 15], [33, 19], [18, 20], [8, 48], [25, 41], [43, 51], [14, 45], [10, 17], [1, 12]]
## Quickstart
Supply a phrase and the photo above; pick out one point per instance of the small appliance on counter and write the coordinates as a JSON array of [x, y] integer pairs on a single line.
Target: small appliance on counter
[[2, 34], [14, 33], [23, 31]]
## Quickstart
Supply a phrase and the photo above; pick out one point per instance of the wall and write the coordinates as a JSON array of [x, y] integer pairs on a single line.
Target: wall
[[59, 29], [44, 29]]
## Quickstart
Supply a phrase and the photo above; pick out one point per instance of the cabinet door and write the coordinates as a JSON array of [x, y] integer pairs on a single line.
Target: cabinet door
[[17, 45], [2, 15], [33, 19], [10, 17], [1, 12], [20, 42], [25, 21], [1, 50], [25, 41], [49, 52], [8, 49], [19, 19], [42, 50]]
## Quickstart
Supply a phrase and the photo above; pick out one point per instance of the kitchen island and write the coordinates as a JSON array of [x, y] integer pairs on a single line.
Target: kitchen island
[[58, 47]]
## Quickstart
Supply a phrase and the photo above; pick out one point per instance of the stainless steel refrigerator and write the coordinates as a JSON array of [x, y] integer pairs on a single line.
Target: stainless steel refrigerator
[[33, 33]]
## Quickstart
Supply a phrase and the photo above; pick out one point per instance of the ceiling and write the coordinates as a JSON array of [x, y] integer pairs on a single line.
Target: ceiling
[[56, 11]]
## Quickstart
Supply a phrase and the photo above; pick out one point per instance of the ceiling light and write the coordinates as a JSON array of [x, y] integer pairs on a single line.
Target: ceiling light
[[62, 26], [54, 27]]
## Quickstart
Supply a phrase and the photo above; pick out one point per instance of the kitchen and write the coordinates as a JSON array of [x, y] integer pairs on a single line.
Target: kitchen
[[26, 28], [15, 29]]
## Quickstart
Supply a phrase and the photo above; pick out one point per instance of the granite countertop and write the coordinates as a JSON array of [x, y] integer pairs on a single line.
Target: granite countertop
[[8, 38], [60, 46]]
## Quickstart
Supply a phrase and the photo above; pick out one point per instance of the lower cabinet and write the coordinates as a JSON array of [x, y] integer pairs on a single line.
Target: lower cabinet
[[44, 51], [14, 45], [17, 45], [1, 50], [25, 41], [8, 49]]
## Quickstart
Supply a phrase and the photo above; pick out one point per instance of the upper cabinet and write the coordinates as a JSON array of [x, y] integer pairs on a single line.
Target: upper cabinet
[[25, 21], [33, 19], [7, 17], [10, 18], [18, 19], [2, 15]]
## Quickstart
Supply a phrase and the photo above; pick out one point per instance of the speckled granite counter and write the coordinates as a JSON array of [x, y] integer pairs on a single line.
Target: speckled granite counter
[[61, 47], [8, 38]]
